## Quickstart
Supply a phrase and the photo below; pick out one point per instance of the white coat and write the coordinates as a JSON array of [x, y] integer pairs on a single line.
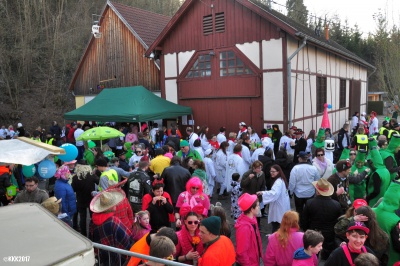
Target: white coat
[[220, 165], [278, 199], [234, 164], [329, 167]]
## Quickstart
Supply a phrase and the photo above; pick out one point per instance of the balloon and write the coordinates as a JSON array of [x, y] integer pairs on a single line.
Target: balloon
[[47, 169], [29, 170], [330, 106], [71, 152]]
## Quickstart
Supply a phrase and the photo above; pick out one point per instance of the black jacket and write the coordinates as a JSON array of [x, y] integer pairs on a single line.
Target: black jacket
[[301, 145], [83, 189], [175, 179], [341, 135], [159, 213]]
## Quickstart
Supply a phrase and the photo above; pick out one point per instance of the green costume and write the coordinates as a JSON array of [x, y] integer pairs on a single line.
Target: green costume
[[357, 191], [194, 154], [129, 152], [320, 140], [386, 216], [88, 154], [344, 156], [388, 156], [379, 178]]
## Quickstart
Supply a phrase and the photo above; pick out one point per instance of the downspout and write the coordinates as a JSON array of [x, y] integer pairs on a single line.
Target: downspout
[[289, 79]]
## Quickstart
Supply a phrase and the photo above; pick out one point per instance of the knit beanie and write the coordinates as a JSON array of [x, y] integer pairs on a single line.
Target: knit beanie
[[213, 224]]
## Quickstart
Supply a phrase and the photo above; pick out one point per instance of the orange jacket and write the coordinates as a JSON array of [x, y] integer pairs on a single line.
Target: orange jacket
[[219, 253], [141, 247]]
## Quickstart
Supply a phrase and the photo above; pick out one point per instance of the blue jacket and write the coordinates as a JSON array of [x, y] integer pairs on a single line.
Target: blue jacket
[[64, 191]]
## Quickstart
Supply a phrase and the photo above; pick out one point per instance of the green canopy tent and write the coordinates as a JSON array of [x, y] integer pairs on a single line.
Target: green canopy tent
[[127, 104]]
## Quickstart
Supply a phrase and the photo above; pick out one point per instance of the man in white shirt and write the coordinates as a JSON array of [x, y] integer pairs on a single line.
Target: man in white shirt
[[79, 143], [191, 137], [221, 135]]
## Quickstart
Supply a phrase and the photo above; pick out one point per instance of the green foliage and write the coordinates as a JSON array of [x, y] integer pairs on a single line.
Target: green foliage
[[297, 11]]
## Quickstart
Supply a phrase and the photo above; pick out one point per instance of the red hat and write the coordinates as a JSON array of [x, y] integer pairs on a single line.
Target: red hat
[[246, 200], [293, 127], [358, 203], [358, 226]]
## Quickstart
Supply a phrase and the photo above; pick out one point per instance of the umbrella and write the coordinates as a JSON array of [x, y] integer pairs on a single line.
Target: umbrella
[[100, 133], [26, 151]]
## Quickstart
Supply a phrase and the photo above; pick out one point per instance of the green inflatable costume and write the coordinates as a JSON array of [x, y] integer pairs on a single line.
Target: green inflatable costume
[[357, 191], [320, 140], [129, 152], [386, 216], [88, 154], [379, 178], [388, 156], [344, 156]]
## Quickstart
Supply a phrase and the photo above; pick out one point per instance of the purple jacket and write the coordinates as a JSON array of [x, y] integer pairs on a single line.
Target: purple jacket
[[249, 249], [275, 255]]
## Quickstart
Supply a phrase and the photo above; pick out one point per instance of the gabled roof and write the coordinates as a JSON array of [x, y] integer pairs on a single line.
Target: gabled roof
[[145, 25], [286, 24]]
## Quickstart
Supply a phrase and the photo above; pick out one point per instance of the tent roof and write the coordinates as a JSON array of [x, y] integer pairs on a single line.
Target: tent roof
[[127, 104]]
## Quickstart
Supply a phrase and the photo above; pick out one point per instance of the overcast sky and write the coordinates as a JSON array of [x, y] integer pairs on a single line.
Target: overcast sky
[[356, 11]]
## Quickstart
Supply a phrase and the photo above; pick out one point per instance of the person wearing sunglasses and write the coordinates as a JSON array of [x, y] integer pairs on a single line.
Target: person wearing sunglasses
[[189, 245], [324, 165], [136, 156]]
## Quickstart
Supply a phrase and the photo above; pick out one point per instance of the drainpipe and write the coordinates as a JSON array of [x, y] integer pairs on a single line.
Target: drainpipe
[[289, 79]]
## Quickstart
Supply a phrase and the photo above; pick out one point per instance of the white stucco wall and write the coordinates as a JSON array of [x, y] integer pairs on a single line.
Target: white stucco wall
[[251, 51], [183, 59], [273, 96], [170, 67], [171, 90], [272, 54]]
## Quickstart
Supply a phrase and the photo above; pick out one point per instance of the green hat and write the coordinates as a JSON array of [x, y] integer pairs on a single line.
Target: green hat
[[375, 157], [128, 145], [91, 144], [213, 224], [320, 140], [184, 143], [345, 154], [394, 143], [372, 143]]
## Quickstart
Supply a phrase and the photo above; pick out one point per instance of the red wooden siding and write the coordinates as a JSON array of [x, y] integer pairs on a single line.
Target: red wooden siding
[[226, 112], [118, 57], [241, 25]]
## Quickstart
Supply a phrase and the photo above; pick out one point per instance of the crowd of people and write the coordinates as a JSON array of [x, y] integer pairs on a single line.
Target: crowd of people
[[150, 192]]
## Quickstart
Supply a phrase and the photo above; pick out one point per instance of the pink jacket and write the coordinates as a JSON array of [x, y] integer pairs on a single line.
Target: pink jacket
[[275, 255], [248, 251]]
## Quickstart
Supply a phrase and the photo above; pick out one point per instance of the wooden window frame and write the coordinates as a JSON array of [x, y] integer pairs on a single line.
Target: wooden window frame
[[200, 67], [238, 63], [321, 89], [342, 94]]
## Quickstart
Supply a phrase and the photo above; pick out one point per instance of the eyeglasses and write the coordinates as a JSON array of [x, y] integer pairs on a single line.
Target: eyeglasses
[[193, 222], [320, 155], [30, 185], [352, 154], [195, 188], [273, 171]]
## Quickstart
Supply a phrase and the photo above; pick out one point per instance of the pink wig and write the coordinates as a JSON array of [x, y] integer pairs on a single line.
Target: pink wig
[[194, 182]]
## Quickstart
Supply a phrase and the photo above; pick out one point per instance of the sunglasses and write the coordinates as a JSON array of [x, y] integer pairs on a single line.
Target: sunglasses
[[138, 151], [195, 188], [352, 154], [320, 155], [193, 222]]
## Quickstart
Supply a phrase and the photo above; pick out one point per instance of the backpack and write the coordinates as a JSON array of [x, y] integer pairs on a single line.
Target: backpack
[[395, 237], [348, 256], [136, 190]]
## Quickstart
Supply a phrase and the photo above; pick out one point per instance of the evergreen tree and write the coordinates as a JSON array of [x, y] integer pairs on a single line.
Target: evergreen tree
[[297, 11]]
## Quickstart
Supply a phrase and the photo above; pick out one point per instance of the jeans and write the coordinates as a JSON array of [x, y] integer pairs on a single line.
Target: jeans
[[299, 203]]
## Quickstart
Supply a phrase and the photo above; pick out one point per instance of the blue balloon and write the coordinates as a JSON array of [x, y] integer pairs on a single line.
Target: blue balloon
[[330, 106], [71, 152], [47, 169], [28, 170]]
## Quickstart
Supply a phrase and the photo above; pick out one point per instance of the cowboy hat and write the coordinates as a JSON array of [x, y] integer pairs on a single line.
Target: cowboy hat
[[52, 205], [106, 200], [324, 187]]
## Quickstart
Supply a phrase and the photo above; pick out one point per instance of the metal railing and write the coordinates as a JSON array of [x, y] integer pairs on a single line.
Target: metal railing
[[117, 254]]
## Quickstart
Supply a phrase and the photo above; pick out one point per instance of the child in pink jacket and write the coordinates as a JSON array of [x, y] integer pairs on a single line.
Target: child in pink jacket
[[307, 255]]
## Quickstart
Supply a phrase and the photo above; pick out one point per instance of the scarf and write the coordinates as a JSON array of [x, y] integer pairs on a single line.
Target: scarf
[[322, 165], [239, 153], [186, 241]]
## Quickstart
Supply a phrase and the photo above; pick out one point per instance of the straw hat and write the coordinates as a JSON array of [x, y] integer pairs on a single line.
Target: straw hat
[[52, 205], [106, 200], [324, 187]]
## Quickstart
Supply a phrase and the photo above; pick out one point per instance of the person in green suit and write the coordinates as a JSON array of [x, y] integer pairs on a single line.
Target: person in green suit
[[319, 141], [88, 154], [386, 216], [357, 191], [388, 155], [379, 178]]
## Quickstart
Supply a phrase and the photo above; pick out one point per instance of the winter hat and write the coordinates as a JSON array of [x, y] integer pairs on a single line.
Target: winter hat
[[106, 200], [63, 173], [359, 203], [242, 124], [246, 200], [213, 224], [19, 125], [184, 143], [343, 165], [52, 205], [324, 187], [358, 226]]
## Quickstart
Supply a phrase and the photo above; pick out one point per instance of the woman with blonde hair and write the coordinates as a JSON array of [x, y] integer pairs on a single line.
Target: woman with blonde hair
[[283, 243]]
